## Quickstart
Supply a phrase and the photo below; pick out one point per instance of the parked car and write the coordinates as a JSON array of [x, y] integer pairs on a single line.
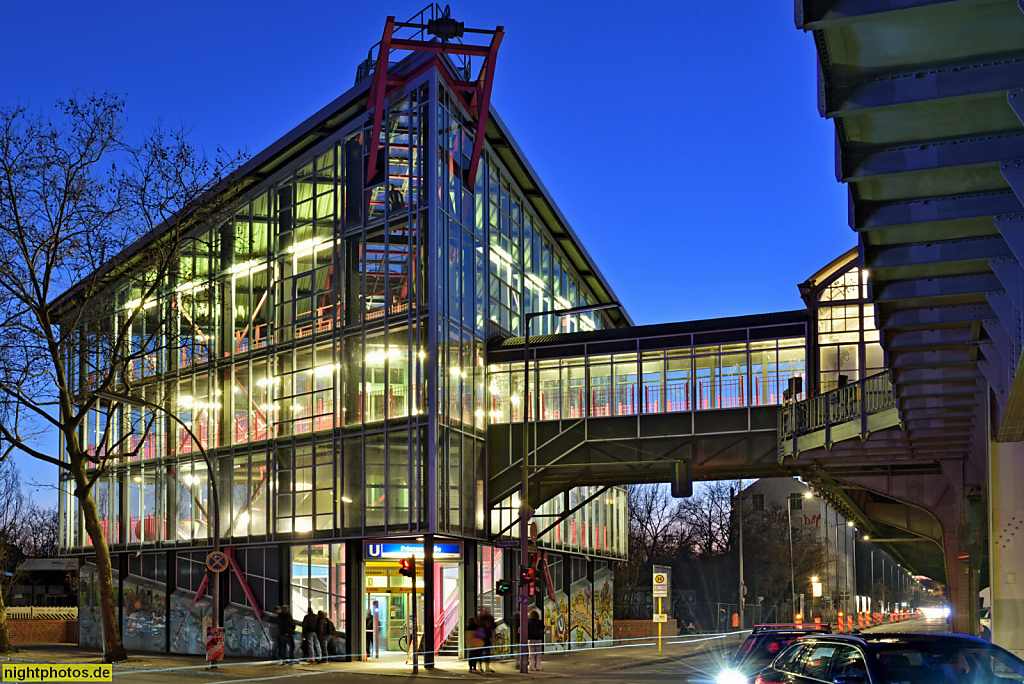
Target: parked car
[[881, 658], [760, 648]]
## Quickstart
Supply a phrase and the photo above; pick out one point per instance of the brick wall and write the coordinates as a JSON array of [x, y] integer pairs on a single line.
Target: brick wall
[[634, 629], [43, 631]]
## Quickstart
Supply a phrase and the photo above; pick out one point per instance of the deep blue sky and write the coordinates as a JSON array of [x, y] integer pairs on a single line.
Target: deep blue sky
[[680, 139]]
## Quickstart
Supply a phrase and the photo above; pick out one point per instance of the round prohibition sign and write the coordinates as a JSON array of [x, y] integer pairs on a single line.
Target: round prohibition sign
[[217, 561], [660, 578]]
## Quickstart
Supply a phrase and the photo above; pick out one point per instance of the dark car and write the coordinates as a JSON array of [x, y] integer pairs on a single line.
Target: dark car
[[894, 659], [760, 648]]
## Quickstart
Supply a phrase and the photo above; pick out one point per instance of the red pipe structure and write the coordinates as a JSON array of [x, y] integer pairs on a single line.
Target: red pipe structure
[[475, 96]]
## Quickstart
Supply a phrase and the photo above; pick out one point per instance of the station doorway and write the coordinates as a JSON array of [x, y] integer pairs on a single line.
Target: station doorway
[[388, 603]]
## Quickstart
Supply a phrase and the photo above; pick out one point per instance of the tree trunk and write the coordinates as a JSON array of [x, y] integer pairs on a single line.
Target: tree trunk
[[5, 636], [113, 649]]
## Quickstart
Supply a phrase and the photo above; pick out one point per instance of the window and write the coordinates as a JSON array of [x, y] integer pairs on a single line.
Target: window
[[789, 660], [817, 659], [757, 502], [849, 662], [796, 502]]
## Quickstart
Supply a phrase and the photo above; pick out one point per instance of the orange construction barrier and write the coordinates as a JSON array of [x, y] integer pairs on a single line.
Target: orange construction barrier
[[839, 627], [817, 620], [891, 619], [860, 620], [849, 623]]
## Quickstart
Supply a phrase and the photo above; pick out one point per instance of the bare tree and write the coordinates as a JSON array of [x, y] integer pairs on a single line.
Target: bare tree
[[11, 514], [707, 515], [91, 227], [655, 531], [38, 531]]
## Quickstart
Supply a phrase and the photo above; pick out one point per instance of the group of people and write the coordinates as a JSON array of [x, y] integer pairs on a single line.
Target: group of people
[[317, 630], [480, 640]]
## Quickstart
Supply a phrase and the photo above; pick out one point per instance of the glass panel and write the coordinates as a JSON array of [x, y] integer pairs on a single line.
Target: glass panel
[[678, 384]]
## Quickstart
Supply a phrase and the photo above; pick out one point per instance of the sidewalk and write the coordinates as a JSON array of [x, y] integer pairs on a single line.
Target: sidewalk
[[555, 664]]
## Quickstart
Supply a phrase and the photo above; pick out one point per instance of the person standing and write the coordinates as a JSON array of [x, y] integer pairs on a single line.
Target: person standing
[[535, 635], [369, 633], [474, 640], [285, 635], [488, 625], [324, 630], [309, 635]]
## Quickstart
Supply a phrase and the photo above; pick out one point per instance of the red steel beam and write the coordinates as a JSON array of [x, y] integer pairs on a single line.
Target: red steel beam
[[485, 81], [450, 49], [375, 98]]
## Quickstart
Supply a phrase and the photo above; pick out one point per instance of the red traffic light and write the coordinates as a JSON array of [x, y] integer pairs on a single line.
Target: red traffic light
[[407, 567]]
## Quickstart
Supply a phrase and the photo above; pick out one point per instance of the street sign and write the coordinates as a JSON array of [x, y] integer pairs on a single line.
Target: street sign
[[660, 581], [661, 617], [508, 543], [217, 561]]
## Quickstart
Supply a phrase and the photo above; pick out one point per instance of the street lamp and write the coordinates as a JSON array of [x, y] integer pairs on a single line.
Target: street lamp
[[789, 528], [139, 402], [524, 536]]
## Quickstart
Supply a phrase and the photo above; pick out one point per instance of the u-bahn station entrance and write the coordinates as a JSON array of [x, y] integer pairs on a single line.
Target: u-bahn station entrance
[[350, 354]]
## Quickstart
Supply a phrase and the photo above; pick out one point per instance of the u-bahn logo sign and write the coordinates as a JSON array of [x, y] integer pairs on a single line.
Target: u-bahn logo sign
[[376, 551]]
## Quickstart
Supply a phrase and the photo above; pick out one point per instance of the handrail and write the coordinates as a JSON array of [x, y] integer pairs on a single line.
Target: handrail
[[446, 621], [846, 404]]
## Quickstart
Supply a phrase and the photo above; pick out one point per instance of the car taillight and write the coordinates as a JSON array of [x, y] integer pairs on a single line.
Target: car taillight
[[758, 680]]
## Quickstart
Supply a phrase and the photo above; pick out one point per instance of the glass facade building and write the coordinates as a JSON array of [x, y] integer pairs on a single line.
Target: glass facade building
[[324, 346]]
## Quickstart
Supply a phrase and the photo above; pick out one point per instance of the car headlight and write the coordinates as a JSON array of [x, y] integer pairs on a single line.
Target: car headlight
[[730, 676]]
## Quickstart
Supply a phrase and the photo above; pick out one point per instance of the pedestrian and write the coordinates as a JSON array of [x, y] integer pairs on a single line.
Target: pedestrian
[[474, 640], [369, 633], [487, 625], [516, 644], [535, 635], [309, 635], [285, 635], [324, 630]]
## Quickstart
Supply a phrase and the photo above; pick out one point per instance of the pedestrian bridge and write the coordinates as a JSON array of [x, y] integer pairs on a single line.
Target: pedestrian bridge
[[619, 406]]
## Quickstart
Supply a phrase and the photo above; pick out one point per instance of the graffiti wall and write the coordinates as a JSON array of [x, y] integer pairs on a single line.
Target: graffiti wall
[[188, 625], [145, 615], [581, 618], [244, 635], [90, 629], [556, 619], [604, 601]]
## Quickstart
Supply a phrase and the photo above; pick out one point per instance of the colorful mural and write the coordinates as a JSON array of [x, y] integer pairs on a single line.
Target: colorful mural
[[90, 629], [188, 627], [604, 595], [145, 615], [556, 619], [581, 620], [243, 634]]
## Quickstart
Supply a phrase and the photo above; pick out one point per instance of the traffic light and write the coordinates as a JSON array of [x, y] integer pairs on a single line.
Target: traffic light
[[682, 478], [407, 567], [526, 578], [505, 587]]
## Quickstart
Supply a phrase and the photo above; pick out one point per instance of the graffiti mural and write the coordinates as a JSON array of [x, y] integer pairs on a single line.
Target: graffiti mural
[[581, 625], [556, 619], [604, 596], [188, 627], [90, 628], [145, 615], [243, 634]]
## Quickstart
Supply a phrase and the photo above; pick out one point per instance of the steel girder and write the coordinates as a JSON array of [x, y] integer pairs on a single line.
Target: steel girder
[[926, 98]]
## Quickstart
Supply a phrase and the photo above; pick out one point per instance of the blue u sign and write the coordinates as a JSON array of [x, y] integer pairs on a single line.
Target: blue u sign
[[380, 551]]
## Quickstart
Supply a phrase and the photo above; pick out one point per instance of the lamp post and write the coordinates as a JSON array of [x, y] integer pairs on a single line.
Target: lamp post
[[792, 577], [139, 402], [524, 536]]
